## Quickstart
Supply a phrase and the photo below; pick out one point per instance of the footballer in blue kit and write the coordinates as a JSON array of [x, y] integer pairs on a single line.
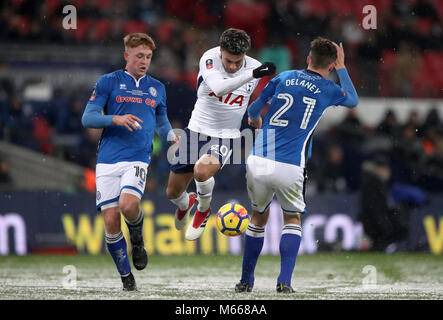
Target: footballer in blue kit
[[130, 106], [276, 166], [120, 93]]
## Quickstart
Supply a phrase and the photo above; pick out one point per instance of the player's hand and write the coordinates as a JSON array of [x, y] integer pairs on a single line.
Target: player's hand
[[175, 139], [266, 69], [255, 123], [340, 62], [129, 121]]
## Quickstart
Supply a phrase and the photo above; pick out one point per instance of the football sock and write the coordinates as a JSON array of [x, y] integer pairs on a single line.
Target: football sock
[[254, 239], [116, 244], [204, 193], [136, 228], [289, 245], [182, 202]]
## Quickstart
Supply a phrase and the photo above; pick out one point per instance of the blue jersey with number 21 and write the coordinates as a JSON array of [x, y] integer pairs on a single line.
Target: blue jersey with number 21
[[297, 100]]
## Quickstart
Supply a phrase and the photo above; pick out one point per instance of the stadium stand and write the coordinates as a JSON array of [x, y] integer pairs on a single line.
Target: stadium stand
[[33, 171], [401, 58]]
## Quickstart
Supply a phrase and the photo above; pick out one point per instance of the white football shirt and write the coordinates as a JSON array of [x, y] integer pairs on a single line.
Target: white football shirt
[[222, 97]]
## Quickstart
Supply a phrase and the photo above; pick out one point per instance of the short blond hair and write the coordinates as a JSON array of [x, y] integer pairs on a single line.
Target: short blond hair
[[136, 39]]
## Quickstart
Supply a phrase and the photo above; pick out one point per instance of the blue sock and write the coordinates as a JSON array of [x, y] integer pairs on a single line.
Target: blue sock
[[136, 229], [116, 244], [254, 239], [289, 245]]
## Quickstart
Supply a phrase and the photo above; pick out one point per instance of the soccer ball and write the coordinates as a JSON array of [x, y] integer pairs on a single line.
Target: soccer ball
[[232, 219]]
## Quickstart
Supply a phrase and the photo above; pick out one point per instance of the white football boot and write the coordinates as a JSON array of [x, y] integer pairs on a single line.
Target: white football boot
[[197, 225]]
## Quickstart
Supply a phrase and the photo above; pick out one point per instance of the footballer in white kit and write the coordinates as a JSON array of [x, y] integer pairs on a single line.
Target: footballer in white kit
[[219, 109], [226, 80]]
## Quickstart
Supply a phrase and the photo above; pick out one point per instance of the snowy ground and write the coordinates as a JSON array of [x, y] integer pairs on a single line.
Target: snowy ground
[[317, 277]]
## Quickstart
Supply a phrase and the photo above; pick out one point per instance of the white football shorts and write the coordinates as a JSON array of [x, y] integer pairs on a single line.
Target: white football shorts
[[121, 177], [266, 178]]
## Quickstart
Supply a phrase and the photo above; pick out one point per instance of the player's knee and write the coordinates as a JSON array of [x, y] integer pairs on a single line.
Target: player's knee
[[172, 193], [112, 221], [202, 173], [206, 167], [127, 206]]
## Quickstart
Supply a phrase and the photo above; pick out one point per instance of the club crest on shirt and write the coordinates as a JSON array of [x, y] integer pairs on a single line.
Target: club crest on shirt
[[153, 91], [209, 64]]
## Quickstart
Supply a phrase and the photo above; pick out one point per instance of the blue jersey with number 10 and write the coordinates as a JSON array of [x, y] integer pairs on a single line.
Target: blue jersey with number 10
[[297, 100]]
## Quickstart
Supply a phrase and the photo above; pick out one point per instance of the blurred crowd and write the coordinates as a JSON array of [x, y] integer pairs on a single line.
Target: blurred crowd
[[404, 50], [397, 59], [413, 151]]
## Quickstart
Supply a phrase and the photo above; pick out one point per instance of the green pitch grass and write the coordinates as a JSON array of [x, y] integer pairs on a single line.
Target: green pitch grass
[[319, 276]]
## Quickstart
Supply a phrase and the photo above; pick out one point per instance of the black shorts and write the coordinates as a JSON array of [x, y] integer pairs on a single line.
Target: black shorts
[[193, 145]]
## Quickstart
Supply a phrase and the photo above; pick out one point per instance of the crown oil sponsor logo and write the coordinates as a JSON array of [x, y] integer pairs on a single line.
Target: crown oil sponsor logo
[[121, 99], [148, 101]]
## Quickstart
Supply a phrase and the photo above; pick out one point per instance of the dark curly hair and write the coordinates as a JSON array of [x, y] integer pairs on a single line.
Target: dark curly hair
[[323, 53], [235, 41]]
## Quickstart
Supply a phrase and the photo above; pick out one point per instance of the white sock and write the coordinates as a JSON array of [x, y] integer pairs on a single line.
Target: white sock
[[254, 231], [292, 229], [182, 202], [204, 192]]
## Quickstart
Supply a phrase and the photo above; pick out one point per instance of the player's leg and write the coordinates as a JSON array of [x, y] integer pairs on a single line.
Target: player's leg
[[289, 246], [218, 153], [254, 240], [132, 185], [180, 176], [291, 196], [177, 194], [261, 196], [204, 171], [116, 244], [107, 182], [134, 217]]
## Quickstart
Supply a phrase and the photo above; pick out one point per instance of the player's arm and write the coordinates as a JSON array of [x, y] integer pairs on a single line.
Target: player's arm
[[164, 129], [348, 88], [255, 109], [93, 116], [350, 94], [162, 125], [220, 86]]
